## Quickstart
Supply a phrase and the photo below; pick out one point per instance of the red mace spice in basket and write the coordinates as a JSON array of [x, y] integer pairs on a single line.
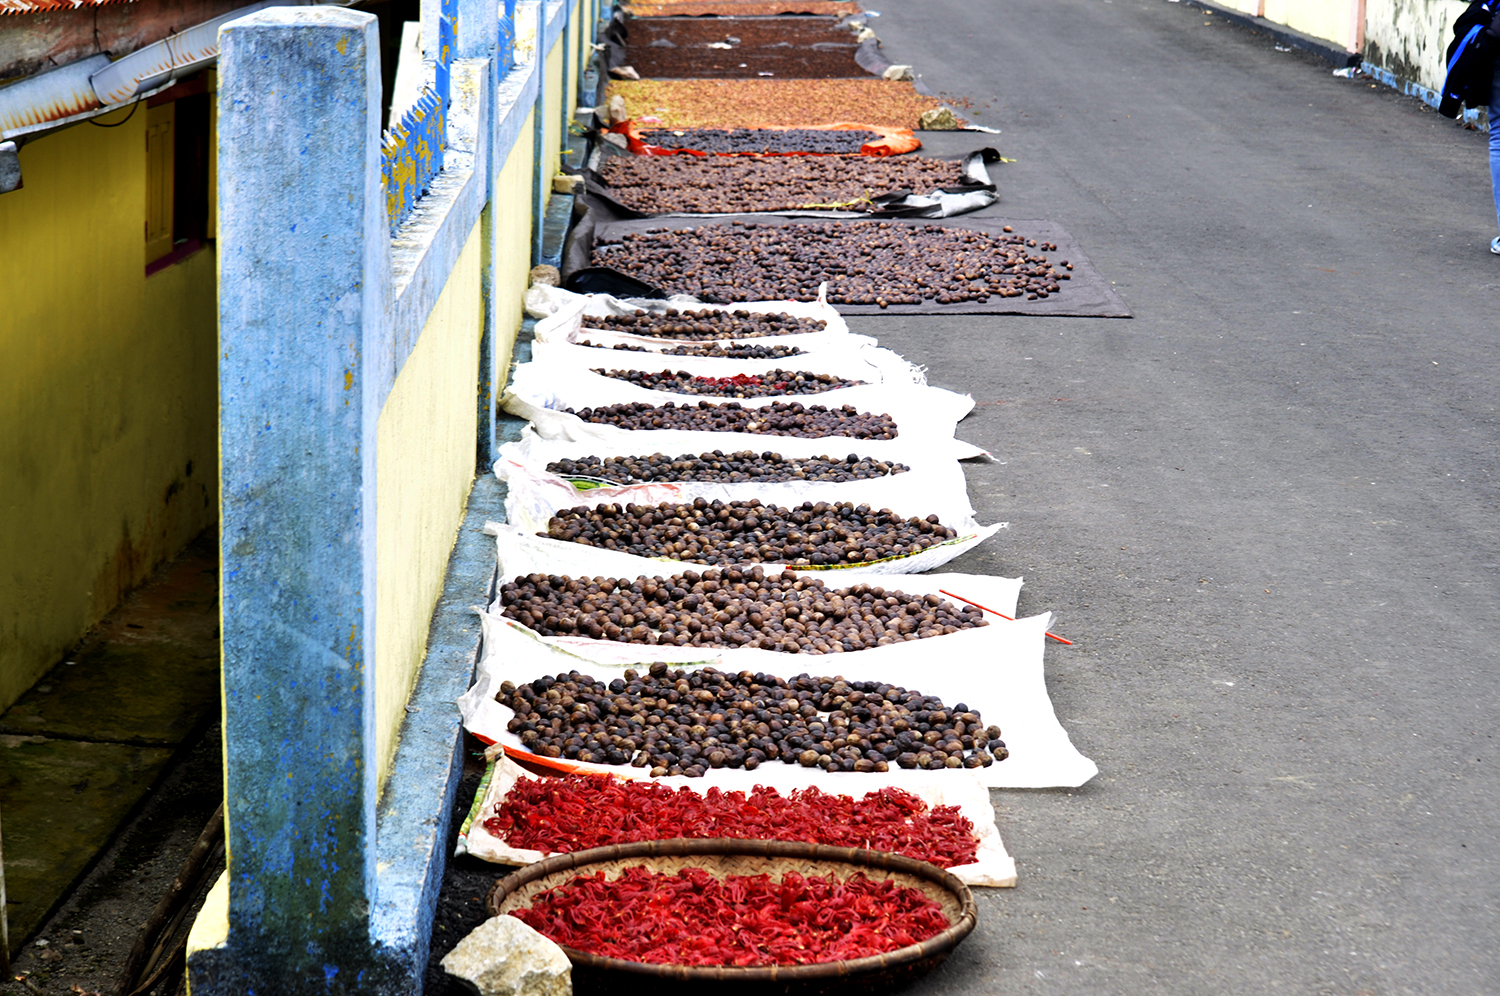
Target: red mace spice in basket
[[693, 918], [582, 811]]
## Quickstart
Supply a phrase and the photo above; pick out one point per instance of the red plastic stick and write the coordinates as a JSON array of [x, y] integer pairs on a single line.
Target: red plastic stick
[[1002, 615]]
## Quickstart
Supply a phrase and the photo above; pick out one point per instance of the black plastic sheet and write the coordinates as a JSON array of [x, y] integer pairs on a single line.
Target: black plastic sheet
[[1087, 294]]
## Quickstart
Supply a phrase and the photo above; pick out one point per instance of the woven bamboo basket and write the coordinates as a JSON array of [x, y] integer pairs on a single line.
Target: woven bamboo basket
[[595, 974]]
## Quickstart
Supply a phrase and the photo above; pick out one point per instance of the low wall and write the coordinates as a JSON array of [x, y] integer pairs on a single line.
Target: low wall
[[356, 357], [1406, 42], [1336, 21], [424, 467]]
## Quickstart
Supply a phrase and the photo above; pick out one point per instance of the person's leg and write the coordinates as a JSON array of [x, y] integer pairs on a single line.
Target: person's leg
[[1495, 151]]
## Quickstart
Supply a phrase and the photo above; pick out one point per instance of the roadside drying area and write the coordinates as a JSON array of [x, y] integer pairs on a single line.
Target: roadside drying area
[[723, 611]]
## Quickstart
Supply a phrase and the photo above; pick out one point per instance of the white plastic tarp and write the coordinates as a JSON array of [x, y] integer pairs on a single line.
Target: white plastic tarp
[[541, 393], [992, 866], [521, 551], [932, 483], [560, 313], [997, 670], [861, 364], [565, 428]]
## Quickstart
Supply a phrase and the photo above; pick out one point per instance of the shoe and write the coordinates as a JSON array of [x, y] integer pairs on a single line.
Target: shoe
[[1495, 245]]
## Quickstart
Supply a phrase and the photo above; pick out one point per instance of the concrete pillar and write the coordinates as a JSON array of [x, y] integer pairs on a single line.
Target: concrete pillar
[[304, 281]]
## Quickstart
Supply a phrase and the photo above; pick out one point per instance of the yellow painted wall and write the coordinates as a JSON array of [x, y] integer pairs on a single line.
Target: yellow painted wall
[[512, 242], [578, 30], [552, 108], [108, 395], [1331, 20], [424, 465]]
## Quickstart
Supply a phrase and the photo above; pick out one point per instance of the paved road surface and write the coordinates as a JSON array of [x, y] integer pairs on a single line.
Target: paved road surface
[[1265, 508]]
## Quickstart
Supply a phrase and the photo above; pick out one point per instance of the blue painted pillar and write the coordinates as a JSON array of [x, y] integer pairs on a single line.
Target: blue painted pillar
[[303, 288], [505, 52]]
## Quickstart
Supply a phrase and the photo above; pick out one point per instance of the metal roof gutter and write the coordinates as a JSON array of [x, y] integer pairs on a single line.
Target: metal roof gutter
[[96, 85]]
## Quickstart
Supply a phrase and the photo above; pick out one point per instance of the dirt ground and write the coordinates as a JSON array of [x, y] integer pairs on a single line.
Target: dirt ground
[[90, 936]]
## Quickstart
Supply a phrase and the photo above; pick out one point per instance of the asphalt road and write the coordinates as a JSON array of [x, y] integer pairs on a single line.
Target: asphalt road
[[1265, 508]]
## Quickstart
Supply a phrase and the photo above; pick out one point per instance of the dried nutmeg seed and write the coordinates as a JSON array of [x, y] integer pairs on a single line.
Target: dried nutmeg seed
[[671, 721], [737, 184], [810, 536], [771, 383], [732, 607], [779, 418], [706, 323], [739, 467], [864, 263], [733, 351]]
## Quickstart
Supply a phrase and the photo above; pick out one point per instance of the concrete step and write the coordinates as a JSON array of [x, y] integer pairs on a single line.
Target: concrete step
[[82, 749]]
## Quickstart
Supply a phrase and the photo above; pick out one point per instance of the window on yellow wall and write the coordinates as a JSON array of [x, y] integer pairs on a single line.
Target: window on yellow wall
[[161, 161], [179, 159]]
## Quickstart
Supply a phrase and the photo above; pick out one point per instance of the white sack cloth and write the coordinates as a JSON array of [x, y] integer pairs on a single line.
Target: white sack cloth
[[925, 416], [997, 670], [934, 482], [992, 865], [575, 317], [869, 364], [561, 312], [522, 551]]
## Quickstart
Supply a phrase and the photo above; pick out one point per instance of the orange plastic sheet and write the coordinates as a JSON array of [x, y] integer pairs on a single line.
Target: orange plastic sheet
[[892, 141], [741, 8]]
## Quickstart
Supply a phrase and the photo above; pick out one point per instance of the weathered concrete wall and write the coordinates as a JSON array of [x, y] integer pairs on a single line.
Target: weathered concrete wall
[[424, 466], [1407, 40], [108, 395]]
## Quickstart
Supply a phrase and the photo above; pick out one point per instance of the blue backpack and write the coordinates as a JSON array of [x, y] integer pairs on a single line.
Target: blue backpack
[[1471, 59]]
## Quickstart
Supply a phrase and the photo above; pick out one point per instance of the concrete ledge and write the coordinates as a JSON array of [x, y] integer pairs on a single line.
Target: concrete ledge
[[412, 821], [1479, 117], [556, 18], [1326, 50]]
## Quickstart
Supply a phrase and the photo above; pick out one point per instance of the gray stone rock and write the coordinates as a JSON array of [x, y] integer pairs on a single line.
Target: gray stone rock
[[505, 957], [10, 168], [939, 119]]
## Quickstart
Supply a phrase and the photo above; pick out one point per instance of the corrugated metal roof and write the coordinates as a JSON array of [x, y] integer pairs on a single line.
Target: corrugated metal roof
[[43, 6]]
